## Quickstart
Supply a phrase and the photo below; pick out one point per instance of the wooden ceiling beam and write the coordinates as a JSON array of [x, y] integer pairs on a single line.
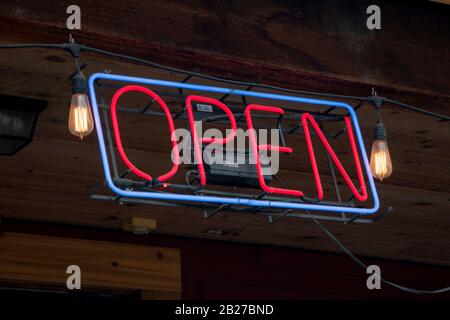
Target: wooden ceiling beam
[[312, 45]]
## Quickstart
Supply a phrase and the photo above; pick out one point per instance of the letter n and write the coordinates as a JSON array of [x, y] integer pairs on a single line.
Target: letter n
[[306, 117]]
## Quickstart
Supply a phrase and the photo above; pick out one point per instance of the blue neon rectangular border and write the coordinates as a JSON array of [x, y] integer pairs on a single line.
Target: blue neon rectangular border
[[224, 200]]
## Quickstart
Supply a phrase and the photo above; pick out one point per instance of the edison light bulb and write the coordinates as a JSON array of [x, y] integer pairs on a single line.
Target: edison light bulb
[[81, 123], [380, 160]]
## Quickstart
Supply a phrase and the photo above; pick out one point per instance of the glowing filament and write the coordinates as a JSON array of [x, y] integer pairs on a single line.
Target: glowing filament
[[81, 123], [380, 160]]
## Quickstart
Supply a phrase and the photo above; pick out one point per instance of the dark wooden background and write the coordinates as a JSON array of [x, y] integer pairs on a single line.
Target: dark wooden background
[[311, 45], [224, 270]]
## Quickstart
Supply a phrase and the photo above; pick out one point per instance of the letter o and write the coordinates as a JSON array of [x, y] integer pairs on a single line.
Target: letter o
[[118, 139]]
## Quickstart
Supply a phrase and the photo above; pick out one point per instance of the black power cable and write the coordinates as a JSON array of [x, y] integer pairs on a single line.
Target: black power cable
[[72, 47], [415, 109], [219, 79], [364, 266], [359, 262]]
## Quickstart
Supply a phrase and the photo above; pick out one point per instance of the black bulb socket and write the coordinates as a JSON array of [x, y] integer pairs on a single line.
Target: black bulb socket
[[79, 83], [379, 132]]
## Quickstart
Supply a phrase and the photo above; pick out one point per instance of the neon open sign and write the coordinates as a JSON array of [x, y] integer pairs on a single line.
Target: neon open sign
[[308, 122]]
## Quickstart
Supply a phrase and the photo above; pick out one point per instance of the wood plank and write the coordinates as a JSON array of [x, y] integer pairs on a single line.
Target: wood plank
[[57, 187], [56, 192], [265, 41], [405, 229], [43, 259]]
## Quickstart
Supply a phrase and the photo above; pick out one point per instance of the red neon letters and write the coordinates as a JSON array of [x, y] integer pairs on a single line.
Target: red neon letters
[[198, 141], [307, 117], [256, 148], [169, 118]]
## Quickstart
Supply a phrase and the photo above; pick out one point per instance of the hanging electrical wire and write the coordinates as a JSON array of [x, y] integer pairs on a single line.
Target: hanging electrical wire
[[360, 263], [364, 266], [80, 48]]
